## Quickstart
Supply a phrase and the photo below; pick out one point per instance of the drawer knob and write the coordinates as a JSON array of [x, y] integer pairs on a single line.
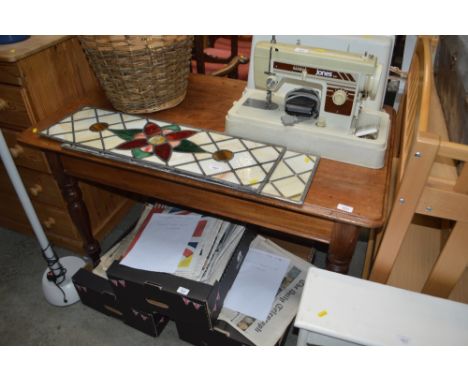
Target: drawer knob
[[35, 190], [49, 222], [3, 104], [16, 151]]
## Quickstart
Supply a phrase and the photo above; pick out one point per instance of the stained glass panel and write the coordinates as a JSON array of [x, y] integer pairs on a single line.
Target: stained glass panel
[[243, 164]]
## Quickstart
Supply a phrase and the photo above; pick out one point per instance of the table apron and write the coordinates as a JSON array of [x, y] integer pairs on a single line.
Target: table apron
[[211, 201]]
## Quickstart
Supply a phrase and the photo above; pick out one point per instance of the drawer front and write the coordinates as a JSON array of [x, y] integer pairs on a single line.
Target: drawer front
[[42, 188], [25, 156], [54, 221], [10, 73], [14, 106]]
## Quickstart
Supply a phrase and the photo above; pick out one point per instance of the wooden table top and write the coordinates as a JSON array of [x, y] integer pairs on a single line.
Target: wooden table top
[[205, 106]]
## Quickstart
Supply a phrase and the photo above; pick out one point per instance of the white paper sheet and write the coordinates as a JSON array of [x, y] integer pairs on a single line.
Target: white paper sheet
[[257, 283], [162, 243]]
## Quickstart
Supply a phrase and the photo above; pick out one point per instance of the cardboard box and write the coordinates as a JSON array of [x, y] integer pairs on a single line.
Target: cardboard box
[[149, 323], [218, 336], [221, 335], [97, 293], [180, 299]]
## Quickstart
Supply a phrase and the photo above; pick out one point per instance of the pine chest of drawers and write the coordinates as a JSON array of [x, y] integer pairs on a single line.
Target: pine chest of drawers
[[37, 77]]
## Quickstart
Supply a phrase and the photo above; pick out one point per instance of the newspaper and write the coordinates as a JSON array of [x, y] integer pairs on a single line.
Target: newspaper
[[119, 249], [284, 309], [205, 256]]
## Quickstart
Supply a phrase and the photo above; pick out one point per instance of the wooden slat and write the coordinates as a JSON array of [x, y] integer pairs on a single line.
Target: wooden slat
[[444, 169], [407, 199], [418, 253], [451, 263], [443, 204], [462, 182], [453, 150]]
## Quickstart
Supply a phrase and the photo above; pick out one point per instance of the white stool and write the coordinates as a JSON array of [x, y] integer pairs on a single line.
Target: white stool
[[343, 310]]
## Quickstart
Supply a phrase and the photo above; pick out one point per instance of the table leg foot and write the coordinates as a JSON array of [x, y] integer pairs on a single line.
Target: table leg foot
[[342, 246]]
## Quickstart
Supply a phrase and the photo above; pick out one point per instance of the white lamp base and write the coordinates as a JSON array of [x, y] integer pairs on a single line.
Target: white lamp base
[[52, 292]]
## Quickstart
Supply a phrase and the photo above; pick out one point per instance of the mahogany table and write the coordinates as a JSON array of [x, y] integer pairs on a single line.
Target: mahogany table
[[206, 104]]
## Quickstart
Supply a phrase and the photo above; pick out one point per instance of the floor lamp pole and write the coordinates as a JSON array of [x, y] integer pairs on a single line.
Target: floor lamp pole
[[57, 285]]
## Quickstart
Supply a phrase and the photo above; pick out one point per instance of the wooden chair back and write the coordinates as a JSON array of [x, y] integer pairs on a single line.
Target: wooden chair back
[[428, 182], [225, 65]]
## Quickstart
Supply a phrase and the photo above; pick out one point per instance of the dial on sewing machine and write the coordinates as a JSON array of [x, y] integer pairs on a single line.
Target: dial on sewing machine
[[311, 100]]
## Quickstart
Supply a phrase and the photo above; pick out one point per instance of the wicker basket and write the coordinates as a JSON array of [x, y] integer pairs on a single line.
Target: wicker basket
[[141, 74]]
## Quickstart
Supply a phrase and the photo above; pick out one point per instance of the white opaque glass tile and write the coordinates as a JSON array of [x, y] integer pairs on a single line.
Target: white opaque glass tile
[[191, 167], [105, 112], [126, 153], [85, 113], [210, 148], [201, 156], [211, 166], [201, 139], [267, 166], [305, 177], [290, 187], [270, 190], [130, 117], [301, 163], [110, 118], [136, 124], [112, 141], [243, 159], [83, 124], [219, 137], [96, 143], [179, 158], [233, 145], [61, 128], [227, 177], [252, 144], [281, 171], [251, 175], [86, 135], [289, 154], [265, 154]]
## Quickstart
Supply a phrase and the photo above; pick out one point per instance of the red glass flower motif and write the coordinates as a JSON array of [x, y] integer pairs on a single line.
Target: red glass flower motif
[[160, 141]]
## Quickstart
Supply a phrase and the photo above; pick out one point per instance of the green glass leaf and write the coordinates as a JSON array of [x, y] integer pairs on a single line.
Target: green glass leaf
[[187, 146], [126, 135], [171, 127], [140, 154]]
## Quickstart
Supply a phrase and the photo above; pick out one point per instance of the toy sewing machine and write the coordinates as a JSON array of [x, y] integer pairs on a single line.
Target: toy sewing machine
[[311, 100]]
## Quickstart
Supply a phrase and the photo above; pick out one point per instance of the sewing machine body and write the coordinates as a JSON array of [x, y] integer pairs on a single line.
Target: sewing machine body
[[335, 83]]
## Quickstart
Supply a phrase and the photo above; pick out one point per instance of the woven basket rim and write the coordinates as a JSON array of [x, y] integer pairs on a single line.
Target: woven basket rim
[[141, 74]]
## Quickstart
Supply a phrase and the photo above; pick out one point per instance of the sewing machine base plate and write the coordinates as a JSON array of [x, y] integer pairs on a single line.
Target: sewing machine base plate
[[306, 137]]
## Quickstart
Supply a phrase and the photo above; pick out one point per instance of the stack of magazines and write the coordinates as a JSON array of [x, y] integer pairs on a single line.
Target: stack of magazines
[[205, 255]]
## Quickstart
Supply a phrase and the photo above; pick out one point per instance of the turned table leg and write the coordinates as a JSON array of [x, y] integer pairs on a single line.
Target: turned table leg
[[76, 206], [342, 245]]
